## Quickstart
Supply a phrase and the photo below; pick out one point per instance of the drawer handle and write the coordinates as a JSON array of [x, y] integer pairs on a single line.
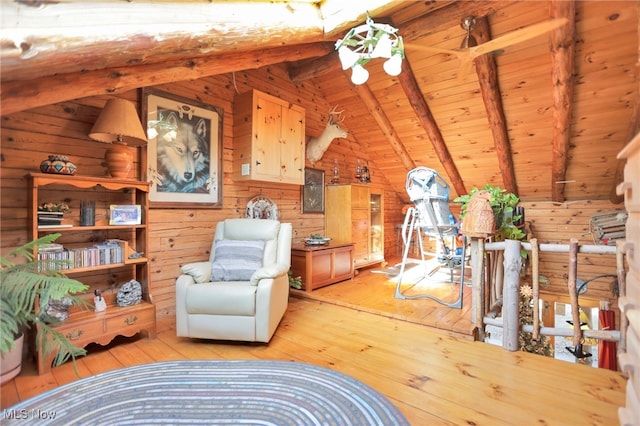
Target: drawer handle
[[74, 335], [131, 320]]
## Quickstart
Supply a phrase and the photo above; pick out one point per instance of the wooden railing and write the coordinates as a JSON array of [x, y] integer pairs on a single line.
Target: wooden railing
[[509, 321]]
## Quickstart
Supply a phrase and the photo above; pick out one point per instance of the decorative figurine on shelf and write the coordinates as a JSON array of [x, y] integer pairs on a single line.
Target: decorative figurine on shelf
[[136, 255], [99, 302], [129, 294], [58, 164], [56, 310]]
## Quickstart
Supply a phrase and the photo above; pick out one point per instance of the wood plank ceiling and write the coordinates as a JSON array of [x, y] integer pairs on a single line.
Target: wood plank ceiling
[[544, 118]]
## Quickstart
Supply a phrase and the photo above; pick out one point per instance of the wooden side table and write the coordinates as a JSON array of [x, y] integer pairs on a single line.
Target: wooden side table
[[322, 265]]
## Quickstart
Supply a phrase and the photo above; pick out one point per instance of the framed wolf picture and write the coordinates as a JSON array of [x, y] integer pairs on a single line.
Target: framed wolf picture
[[184, 151]]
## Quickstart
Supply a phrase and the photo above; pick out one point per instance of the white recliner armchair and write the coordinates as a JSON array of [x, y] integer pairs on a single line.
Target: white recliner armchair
[[242, 292]]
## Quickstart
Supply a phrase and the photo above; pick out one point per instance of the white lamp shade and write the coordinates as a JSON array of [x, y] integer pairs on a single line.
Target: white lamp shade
[[348, 58], [119, 121], [359, 75], [383, 47], [393, 66]]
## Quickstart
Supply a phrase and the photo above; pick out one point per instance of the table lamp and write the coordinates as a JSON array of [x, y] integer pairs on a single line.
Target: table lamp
[[118, 124]]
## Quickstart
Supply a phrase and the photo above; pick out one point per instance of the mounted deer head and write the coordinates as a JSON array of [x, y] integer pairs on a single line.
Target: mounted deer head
[[316, 147]]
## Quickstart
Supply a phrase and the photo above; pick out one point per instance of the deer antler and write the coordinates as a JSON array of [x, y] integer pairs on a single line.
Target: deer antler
[[332, 113]]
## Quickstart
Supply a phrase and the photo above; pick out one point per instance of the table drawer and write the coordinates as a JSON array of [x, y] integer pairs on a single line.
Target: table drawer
[[131, 320], [81, 334]]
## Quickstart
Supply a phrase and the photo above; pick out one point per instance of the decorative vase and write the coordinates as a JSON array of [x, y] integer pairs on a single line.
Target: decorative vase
[[119, 160], [87, 213], [58, 164]]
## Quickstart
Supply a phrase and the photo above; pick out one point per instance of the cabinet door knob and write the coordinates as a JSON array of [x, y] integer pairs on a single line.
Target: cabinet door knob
[[258, 163], [131, 320]]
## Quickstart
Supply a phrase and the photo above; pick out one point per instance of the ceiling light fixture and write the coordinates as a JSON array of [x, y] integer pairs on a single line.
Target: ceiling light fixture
[[369, 41]]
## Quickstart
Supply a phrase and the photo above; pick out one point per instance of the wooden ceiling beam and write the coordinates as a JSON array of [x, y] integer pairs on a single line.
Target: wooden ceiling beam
[[487, 71], [46, 38], [21, 95], [562, 70], [409, 84], [56, 37], [444, 18], [375, 109], [305, 70]]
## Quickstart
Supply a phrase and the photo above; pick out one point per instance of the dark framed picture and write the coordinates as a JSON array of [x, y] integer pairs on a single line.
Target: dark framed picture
[[313, 191], [184, 151]]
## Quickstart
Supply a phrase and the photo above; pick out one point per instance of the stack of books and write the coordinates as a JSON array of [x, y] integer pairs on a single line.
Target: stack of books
[[50, 218], [108, 252]]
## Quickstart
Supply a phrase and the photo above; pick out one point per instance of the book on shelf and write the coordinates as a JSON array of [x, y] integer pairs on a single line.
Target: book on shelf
[[109, 252], [49, 247], [54, 257], [64, 225]]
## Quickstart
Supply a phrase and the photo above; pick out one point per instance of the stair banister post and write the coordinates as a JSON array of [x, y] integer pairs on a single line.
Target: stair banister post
[[510, 311]]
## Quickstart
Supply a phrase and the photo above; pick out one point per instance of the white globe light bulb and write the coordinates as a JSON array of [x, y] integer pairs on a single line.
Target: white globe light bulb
[[383, 47], [359, 75], [347, 57], [393, 66]]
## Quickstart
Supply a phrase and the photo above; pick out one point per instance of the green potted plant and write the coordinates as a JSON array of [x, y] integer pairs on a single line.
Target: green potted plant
[[503, 204], [294, 282], [26, 283]]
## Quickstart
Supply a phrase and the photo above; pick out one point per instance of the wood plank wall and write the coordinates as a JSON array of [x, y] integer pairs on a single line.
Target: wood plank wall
[[556, 224], [179, 236]]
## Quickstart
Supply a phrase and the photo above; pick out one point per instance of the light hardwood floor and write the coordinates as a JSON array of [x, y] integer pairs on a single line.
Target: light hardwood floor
[[372, 290], [432, 376]]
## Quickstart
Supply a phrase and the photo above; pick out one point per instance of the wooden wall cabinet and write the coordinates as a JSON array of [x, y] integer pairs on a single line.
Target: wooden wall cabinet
[[97, 270], [354, 213], [269, 139]]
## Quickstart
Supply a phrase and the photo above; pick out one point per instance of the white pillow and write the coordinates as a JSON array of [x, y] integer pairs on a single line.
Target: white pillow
[[236, 260]]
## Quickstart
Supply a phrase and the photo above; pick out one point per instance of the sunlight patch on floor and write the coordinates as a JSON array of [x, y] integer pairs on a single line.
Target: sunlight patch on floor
[[429, 273]]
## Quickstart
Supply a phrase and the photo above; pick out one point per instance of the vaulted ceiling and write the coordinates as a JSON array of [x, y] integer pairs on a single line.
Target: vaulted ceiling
[[544, 117]]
